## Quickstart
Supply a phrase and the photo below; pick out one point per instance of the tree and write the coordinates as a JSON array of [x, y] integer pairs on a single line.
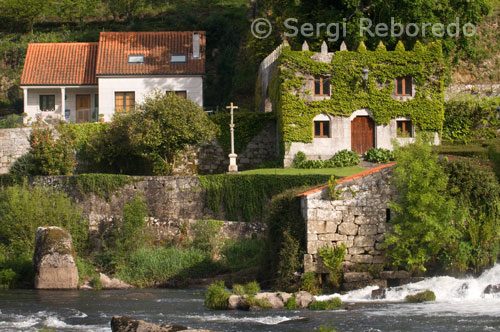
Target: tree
[[24, 11], [126, 8], [75, 9], [166, 125], [148, 139], [423, 225]]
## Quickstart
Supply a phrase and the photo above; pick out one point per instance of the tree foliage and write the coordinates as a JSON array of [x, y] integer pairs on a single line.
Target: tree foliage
[[422, 227], [147, 140]]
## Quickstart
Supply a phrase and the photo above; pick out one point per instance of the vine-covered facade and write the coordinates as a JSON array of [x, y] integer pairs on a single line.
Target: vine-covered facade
[[329, 101]]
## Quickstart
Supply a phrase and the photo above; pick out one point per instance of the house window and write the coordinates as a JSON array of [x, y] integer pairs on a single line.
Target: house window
[[124, 101], [404, 128], [47, 103], [178, 93], [404, 86], [321, 86], [136, 58], [321, 129], [178, 58]]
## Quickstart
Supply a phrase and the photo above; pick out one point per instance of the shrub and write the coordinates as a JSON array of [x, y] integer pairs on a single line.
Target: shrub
[[421, 226], [332, 259], [217, 296], [96, 282], [469, 118], [252, 288], [425, 296], [379, 155], [206, 235], [331, 304], [11, 121], [147, 140], [289, 261], [343, 158], [291, 303], [309, 282], [261, 303], [24, 209], [238, 289], [242, 254], [48, 156]]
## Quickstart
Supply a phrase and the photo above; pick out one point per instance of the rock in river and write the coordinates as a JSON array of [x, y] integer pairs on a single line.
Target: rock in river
[[54, 259], [127, 324]]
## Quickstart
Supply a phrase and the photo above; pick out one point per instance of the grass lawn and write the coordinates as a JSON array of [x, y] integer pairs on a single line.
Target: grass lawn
[[343, 171]]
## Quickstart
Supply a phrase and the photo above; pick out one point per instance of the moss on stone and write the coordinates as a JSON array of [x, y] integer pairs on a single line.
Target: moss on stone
[[425, 296]]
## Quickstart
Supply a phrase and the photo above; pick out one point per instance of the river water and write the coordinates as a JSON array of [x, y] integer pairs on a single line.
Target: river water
[[461, 305]]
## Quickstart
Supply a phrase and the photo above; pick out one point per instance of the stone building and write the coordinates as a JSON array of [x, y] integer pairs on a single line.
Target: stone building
[[358, 218], [355, 100]]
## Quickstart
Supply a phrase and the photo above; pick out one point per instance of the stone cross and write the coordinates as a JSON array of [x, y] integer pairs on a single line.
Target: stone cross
[[233, 168]]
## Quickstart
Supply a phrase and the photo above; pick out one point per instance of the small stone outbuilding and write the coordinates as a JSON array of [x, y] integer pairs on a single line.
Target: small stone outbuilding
[[359, 218]]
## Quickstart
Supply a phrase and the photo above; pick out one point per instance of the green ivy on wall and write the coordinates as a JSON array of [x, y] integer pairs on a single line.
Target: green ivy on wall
[[349, 93]]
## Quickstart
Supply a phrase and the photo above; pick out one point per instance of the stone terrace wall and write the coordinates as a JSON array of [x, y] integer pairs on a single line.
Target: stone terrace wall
[[13, 144], [173, 203], [207, 159], [482, 90], [358, 219]]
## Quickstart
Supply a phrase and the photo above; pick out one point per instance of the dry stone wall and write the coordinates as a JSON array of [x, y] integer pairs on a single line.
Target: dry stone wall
[[208, 158], [13, 144], [359, 219], [481, 90], [174, 203]]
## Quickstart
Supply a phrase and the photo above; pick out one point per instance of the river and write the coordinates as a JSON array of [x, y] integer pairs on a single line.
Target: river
[[460, 306]]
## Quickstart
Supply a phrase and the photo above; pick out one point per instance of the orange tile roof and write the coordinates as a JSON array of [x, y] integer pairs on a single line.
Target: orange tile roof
[[60, 64], [157, 47], [349, 178]]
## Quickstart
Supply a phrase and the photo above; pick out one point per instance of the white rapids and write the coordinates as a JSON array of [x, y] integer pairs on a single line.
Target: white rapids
[[463, 296]]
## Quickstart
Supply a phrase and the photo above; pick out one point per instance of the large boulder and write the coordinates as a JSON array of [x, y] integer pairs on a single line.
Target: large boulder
[[304, 299], [492, 289], [274, 299], [127, 324], [237, 302], [54, 259], [112, 283]]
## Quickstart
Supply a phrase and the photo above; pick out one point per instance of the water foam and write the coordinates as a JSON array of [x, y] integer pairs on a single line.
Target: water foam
[[452, 295], [266, 320]]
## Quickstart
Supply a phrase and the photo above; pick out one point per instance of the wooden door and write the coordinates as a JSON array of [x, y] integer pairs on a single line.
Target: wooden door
[[83, 113], [362, 134]]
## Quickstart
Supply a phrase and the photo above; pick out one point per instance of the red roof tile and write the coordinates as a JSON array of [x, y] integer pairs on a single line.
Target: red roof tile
[[157, 47], [60, 64], [349, 178]]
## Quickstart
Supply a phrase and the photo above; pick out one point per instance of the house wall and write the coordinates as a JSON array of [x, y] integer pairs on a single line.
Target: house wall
[[142, 86], [340, 138], [32, 107]]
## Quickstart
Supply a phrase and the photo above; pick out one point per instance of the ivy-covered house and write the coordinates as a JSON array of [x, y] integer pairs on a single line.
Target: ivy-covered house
[[329, 101]]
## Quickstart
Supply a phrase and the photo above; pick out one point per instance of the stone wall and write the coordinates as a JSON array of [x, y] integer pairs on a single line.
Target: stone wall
[[481, 90], [212, 159], [13, 144], [174, 203], [206, 159], [358, 219]]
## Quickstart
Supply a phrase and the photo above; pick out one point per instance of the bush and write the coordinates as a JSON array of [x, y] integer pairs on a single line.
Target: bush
[[470, 118], [242, 254], [11, 121], [425, 296], [261, 303], [309, 282], [421, 226], [249, 289], [147, 140], [332, 259], [48, 156], [331, 304], [378, 155], [217, 296], [291, 303], [206, 235], [24, 209], [343, 158]]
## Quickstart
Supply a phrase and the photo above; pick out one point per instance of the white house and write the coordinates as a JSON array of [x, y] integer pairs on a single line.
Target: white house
[[82, 82]]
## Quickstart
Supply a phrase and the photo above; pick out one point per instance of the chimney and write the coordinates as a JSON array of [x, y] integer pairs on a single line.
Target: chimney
[[196, 46]]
